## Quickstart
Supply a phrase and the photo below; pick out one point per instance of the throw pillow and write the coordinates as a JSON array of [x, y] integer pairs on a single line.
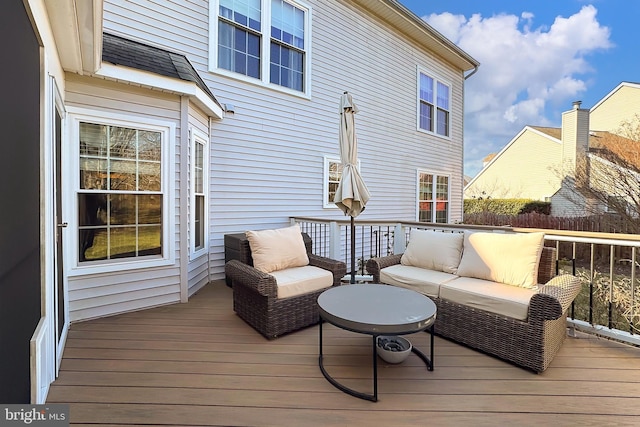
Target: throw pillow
[[433, 250], [274, 250], [505, 258]]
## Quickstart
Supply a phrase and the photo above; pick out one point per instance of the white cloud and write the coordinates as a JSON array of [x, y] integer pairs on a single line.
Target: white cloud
[[523, 70]]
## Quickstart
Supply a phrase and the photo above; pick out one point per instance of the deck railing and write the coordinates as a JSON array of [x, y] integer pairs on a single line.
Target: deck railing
[[606, 263]]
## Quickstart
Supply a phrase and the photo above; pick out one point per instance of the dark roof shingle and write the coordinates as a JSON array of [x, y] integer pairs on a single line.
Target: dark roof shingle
[[120, 51]]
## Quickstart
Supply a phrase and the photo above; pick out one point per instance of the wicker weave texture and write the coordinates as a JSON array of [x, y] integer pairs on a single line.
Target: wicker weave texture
[[255, 295]]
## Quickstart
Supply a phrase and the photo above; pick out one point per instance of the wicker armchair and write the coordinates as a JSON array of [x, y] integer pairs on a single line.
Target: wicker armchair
[[255, 294]]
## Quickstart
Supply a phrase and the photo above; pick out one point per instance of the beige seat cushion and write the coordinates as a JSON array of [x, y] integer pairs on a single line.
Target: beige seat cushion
[[434, 250], [278, 249], [301, 280], [505, 258], [419, 279], [498, 298]]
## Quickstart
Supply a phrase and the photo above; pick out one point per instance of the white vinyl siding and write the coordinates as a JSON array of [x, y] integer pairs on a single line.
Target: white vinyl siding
[[115, 287], [264, 160]]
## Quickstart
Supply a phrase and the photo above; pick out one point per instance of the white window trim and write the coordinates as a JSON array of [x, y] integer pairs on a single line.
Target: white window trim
[[198, 137], [264, 81], [435, 178], [325, 180], [437, 79], [71, 187]]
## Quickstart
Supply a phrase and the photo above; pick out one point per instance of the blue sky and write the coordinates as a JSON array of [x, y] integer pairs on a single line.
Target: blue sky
[[537, 57]]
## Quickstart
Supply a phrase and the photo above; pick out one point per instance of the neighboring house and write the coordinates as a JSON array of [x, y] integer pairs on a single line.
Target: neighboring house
[[539, 162], [139, 133]]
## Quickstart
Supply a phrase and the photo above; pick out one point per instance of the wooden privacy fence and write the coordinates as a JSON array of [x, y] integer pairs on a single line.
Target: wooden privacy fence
[[607, 223]]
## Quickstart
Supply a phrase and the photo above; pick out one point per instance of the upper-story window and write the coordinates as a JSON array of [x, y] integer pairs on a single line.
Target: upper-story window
[[265, 40], [434, 104], [433, 198]]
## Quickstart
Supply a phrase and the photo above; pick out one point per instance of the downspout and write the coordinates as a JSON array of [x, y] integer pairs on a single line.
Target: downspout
[[475, 70]]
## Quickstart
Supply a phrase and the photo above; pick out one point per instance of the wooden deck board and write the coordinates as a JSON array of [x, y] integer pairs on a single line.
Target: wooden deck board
[[198, 364]]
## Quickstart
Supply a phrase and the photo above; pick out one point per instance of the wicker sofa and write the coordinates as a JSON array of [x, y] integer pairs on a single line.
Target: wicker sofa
[[526, 326], [257, 298]]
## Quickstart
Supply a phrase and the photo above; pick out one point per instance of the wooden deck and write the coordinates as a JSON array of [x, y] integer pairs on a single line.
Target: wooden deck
[[198, 364]]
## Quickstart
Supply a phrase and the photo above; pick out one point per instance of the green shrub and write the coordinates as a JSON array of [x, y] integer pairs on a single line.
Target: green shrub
[[506, 206]]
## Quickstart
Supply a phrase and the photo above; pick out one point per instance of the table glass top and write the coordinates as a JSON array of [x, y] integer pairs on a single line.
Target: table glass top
[[373, 308]]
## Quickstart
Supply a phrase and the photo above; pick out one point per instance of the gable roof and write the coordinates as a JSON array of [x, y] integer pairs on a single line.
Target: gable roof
[[617, 88], [122, 52]]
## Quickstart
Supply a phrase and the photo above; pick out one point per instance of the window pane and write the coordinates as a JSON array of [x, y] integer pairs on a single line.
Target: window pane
[[443, 122], [149, 145], [443, 96], [426, 187], [198, 168], [122, 175], [150, 240], [425, 214], [149, 176], [426, 88], [199, 223], [426, 116], [109, 223], [93, 244], [150, 209], [123, 142], [243, 12], [93, 139]]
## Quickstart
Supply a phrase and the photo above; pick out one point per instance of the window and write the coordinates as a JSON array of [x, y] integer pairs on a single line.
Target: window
[[199, 187], [275, 52], [434, 100], [117, 188], [433, 198], [239, 35], [332, 174]]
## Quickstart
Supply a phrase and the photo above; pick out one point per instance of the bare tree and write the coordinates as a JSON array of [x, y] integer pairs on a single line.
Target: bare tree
[[609, 174]]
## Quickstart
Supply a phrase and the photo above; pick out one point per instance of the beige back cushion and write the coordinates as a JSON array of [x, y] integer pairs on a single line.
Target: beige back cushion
[[274, 250], [505, 258], [433, 250]]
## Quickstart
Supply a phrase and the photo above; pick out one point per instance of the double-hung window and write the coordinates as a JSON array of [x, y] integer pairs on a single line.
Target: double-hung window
[[433, 198], [332, 175], [434, 104], [199, 177], [118, 179], [265, 40]]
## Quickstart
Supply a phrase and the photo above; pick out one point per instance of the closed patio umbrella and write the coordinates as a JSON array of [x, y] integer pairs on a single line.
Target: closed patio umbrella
[[352, 194]]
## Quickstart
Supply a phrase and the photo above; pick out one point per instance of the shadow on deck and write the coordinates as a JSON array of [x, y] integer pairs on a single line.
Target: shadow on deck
[[198, 364]]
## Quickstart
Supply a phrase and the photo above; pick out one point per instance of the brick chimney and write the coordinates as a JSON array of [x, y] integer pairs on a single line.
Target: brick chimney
[[575, 138]]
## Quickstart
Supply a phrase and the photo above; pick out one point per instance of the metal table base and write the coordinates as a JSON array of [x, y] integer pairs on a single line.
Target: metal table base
[[372, 397]]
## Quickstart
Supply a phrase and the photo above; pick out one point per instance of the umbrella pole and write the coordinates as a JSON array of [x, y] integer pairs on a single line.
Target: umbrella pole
[[353, 251]]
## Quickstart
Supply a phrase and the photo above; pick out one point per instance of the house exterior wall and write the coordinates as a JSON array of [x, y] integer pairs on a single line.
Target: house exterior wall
[[536, 158], [622, 104], [267, 157], [115, 289]]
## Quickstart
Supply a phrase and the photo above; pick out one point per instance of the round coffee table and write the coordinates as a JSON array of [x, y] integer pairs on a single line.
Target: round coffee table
[[376, 310]]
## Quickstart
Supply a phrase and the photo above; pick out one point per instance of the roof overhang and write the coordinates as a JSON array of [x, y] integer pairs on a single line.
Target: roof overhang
[[167, 84], [416, 29], [77, 29]]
